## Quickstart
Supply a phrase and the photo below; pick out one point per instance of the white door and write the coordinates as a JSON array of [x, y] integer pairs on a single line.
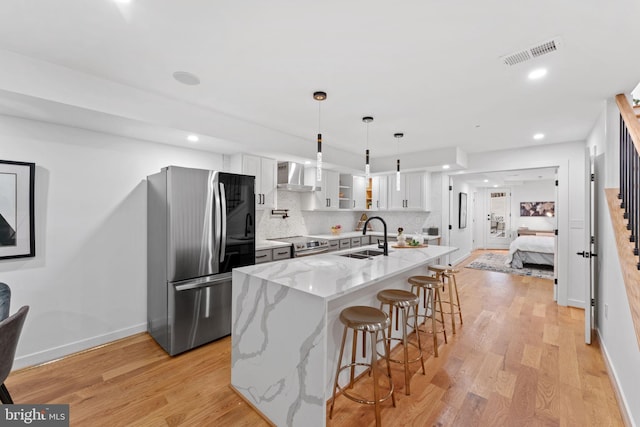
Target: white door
[[498, 218], [590, 302], [556, 266]]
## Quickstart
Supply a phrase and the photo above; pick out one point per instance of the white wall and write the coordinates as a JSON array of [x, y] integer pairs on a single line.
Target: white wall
[[87, 284], [461, 238], [569, 159], [532, 191], [616, 332]]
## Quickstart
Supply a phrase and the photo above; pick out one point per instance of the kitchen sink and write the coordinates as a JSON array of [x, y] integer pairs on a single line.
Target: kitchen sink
[[365, 254]]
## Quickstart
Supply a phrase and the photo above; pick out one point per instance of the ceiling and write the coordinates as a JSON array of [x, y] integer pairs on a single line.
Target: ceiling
[[433, 70], [507, 178]]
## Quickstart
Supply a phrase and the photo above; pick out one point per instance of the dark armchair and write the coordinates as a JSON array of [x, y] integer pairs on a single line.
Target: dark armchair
[[10, 329]]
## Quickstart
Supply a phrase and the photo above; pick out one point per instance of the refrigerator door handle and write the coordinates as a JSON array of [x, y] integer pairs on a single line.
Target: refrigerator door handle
[[218, 218], [186, 285], [223, 239]]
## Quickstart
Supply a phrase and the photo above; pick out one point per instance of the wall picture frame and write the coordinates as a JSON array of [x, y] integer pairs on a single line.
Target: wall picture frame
[[17, 222], [547, 209], [462, 217]]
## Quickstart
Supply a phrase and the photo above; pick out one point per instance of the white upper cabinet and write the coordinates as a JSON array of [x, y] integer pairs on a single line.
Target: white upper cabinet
[[379, 192], [327, 197], [266, 172], [359, 193], [414, 191]]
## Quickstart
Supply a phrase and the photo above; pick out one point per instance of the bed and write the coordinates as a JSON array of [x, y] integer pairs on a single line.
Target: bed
[[531, 250]]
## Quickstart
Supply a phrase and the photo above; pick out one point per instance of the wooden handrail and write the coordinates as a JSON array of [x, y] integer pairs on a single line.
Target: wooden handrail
[[630, 119], [630, 274]]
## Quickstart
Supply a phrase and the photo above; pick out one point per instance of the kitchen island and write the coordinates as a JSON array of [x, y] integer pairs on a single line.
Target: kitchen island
[[286, 331]]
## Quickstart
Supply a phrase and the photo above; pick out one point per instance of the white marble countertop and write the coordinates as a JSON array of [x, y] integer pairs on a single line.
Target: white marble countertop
[[329, 275], [270, 244]]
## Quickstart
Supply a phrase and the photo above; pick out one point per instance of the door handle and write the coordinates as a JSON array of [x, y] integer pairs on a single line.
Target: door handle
[[584, 254]]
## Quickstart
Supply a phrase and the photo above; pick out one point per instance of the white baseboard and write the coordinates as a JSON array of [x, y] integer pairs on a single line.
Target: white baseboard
[[75, 347], [575, 303], [623, 405]]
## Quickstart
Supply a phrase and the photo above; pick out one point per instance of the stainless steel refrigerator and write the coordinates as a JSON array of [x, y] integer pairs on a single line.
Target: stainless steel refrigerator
[[200, 225]]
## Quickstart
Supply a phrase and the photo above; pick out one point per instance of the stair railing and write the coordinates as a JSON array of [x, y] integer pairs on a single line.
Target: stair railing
[[629, 194]]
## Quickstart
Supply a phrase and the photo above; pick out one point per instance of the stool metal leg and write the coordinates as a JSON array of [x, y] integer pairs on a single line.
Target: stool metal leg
[[335, 383], [387, 353], [437, 297], [415, 328], [374, 370], [354, 344], [405, 349], [434, 322], [451, 311], [455, 285]]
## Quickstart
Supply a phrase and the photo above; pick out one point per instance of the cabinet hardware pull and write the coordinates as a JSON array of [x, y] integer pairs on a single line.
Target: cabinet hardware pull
[[261, 256]]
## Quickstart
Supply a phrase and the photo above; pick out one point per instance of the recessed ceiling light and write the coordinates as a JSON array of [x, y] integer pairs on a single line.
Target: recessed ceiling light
[[307, 162], [486, 180], [538, 136], [445, 166], [123, 1], [537, 73], [193, 138], [495, 186], [186, 78]]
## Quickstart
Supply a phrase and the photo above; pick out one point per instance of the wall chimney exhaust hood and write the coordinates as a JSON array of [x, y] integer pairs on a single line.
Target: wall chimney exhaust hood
[[291, 177]]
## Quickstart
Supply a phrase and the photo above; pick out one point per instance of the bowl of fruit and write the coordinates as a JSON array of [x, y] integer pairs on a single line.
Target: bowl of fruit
[[335, 229]]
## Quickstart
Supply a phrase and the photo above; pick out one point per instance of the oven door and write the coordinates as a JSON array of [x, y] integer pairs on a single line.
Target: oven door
[[314, 251]]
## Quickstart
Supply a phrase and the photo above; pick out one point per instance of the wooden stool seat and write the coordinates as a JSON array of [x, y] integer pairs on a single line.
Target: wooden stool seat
[[430, 287], [449, 273], [363, 318], [368, 320], [402, 301]]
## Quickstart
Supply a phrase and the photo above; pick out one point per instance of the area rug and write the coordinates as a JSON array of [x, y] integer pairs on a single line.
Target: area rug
[[496, 262]]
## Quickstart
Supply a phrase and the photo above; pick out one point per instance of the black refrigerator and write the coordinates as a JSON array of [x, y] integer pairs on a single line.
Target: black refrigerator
[[200, 225]]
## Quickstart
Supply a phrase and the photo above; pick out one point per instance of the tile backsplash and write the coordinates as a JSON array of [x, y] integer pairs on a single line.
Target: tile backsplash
[[319, 222]]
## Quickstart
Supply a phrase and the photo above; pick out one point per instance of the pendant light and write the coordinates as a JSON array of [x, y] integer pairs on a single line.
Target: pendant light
[[319, 96], [367, 168], [398, 136]]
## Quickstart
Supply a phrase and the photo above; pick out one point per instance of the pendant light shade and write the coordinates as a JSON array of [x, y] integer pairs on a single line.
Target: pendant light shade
[[367, 168], [398, 136], [319, 96]]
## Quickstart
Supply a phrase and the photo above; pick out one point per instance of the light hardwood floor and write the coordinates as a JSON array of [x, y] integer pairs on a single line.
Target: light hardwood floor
[[519, 359]]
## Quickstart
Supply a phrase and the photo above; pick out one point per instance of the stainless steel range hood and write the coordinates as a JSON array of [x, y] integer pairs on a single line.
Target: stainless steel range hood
[[291, 177]]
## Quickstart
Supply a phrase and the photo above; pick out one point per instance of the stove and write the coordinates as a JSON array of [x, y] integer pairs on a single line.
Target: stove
[[303, 246]]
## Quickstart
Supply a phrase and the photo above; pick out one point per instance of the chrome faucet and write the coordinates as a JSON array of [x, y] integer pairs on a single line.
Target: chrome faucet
[[385, 245]]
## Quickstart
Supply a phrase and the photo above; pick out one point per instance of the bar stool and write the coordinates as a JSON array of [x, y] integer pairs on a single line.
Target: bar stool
[[371, 320], [447, 272], [430, 287], [402, 300]]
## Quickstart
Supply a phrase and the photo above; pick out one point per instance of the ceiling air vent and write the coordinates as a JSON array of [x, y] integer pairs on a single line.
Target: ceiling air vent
[[532, 52]]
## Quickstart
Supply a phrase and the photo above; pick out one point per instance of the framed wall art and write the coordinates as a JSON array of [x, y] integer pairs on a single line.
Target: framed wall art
[[462, 218], [17, 234], [547, 209]]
